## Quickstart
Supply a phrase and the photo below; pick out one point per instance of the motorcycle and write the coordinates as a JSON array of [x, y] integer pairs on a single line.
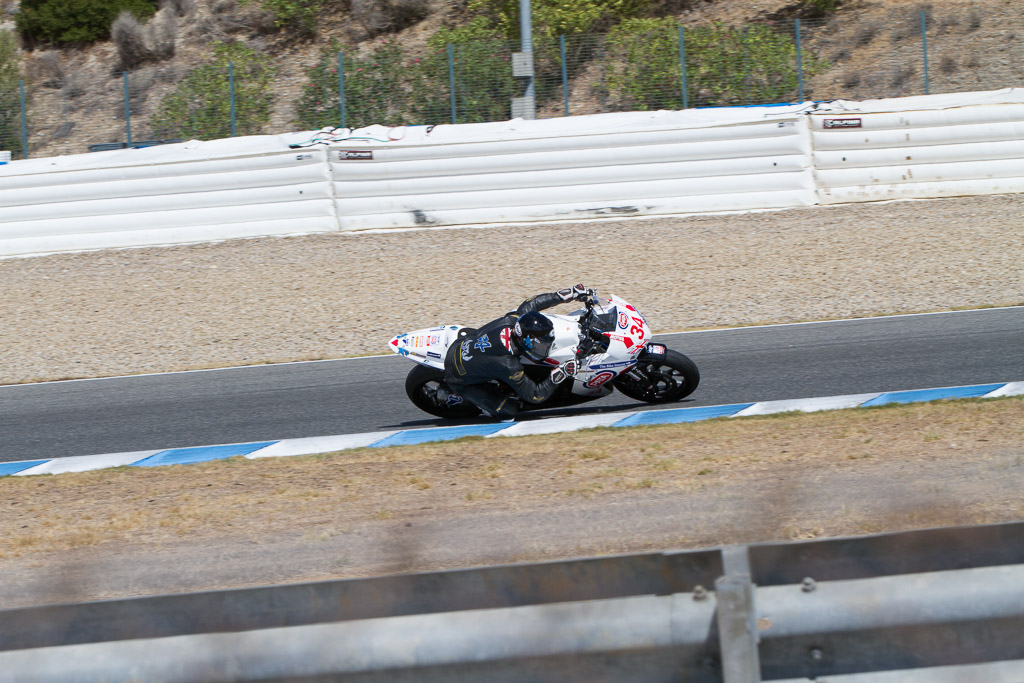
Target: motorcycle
[[609, 338]]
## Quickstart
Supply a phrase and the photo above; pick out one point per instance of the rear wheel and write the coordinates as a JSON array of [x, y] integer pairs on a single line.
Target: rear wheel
[[426, 388], [671, 378]]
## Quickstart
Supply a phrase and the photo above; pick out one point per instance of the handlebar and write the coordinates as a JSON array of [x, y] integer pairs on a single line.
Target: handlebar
[[590, 336]]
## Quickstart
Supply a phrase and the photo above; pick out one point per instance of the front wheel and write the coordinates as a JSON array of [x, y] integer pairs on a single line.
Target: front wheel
[[671, 378], [426, 388]]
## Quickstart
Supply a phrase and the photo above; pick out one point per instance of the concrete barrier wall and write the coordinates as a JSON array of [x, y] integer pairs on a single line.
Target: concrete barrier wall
[[627, 164]]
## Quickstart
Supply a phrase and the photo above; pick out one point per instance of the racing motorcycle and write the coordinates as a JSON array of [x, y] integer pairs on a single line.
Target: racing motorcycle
[[609, 339]]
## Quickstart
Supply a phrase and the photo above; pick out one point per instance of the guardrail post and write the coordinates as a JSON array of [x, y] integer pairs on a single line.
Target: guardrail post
[[451, 79], [565, 78], [799, 65], [924, 49], [737, 621], [24, 120], [682, 65], [341, 88], [127, 110], [231, 90]]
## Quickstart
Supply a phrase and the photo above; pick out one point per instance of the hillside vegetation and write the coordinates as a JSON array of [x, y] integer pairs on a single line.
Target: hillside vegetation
[[621, 55]]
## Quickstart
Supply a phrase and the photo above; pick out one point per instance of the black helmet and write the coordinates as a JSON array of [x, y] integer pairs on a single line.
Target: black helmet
[[534, 335]]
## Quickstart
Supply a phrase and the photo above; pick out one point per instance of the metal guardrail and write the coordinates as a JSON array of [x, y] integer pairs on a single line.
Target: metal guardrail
[[937, 604]]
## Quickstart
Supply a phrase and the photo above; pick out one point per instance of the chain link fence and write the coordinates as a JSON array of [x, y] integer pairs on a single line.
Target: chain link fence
[[912, 52]]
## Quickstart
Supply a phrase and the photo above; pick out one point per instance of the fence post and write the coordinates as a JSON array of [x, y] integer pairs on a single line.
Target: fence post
[[565, 78], [341, 88], [451, 78], [231, 90], [682, 65], [799, 65], [24, 121], [127, 110], [924, 49]]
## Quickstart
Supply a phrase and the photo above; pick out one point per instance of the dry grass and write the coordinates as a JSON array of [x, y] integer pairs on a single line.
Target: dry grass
[[328, 494]]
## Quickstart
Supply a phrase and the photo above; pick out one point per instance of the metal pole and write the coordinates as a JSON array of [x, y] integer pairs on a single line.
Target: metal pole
[[127, 110], [924, 49], [341, 88], [231, 89], [526, 46], [799, 65], [682, 64], [737, 623], [565, 78], [451, 78], [24, 121]]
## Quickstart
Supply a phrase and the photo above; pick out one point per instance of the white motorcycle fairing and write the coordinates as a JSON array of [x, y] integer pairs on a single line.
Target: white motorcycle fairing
[[627, 335], [427, 346]]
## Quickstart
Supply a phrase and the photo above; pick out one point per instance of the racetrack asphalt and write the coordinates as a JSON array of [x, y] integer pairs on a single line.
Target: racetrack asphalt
[[268, 402]]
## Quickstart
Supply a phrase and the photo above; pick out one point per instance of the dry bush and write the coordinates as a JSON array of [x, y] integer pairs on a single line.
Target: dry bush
[[973, 20], [181, 8], [228, 16], [45, 68], [74, 86], [139, 84], [8, 8], [866, 33], [381, 16], [127, 34], [408, 12], [161, 32]]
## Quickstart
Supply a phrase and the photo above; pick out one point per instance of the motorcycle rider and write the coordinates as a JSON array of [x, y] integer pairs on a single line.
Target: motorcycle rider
[[493, 353]]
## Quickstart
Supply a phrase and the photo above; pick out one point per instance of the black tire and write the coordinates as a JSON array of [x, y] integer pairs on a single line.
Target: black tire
[[662, 381], [422, 385]]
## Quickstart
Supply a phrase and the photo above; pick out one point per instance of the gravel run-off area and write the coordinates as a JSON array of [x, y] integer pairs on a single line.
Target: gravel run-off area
[[308, 297]]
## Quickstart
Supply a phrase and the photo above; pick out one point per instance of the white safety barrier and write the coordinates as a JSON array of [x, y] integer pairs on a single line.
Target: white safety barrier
[[189, 192], [937, 146], [605, 165], [583, 167]]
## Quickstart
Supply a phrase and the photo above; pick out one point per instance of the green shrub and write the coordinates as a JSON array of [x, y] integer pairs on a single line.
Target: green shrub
[[10, 98], [200, 107], [484, 85], [553, 18], [300, 15], [375, 88], [75, 21], [724, 65], [822, 7], [387, 87]]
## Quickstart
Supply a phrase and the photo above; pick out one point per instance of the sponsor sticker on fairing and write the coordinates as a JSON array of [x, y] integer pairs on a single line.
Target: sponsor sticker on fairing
[[355, 155], [657, 349], [431, 354], [599, 379], [607, 366]]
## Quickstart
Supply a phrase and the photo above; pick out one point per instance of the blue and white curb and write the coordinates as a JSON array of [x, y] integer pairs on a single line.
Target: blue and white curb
[[327, 444]]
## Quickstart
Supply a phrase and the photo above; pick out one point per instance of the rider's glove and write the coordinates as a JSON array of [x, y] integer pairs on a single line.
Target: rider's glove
[[574, 293], [563, 371]]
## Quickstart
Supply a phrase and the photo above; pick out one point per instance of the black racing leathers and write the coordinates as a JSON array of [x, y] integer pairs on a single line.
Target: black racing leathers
[[491, 354]]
